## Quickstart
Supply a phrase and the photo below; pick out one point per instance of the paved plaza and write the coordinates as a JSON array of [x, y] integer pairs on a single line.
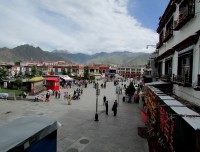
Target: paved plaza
[[79, 132]]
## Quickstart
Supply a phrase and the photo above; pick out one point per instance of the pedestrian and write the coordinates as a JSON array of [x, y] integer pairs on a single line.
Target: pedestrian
[[47, 96], [59, 94], [56, 94], [114, 108], [36, 98], [107, 107], [104, 100], [65, 95], [69, 100]]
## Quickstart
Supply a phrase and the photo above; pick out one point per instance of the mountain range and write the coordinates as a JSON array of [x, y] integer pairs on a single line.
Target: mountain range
[[29, 53]]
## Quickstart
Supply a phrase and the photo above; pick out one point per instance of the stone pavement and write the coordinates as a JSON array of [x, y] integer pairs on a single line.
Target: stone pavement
[[79, 131]]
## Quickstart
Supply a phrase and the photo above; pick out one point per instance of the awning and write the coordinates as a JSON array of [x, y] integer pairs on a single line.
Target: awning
[[36, 79], [66, 78]]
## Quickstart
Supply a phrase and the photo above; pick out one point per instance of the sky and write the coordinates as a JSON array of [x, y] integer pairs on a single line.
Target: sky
[[86, 26]]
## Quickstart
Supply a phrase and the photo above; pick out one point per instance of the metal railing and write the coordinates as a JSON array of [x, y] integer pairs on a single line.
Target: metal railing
[[181, 79], [167, 78]]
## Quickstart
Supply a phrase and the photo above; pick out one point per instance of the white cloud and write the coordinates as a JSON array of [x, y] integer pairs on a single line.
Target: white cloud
[[88, 26]]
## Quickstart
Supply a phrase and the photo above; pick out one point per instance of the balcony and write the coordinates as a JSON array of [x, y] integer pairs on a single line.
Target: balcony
[[159, 44], [181, 80], [186, 14], [197, 87], [166, 78], [168, 35]]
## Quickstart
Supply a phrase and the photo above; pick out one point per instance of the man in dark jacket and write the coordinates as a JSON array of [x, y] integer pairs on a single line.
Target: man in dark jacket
[[104, 100], [107, 107], [114, 108]]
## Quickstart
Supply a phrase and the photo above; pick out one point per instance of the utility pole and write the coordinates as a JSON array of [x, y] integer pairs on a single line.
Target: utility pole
[[97, 93]]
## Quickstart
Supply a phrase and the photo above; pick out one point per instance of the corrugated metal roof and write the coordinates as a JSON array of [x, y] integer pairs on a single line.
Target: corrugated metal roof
[[166, 98], [173, 102], [190, 116]]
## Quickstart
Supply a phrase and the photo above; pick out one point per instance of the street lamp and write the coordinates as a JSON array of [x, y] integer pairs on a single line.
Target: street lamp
[[151, 46], [97, 93]]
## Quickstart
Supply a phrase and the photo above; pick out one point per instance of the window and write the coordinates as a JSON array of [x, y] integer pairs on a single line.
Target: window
[[185, 66], [168, 67], [159, 69], [169, 30], [186, 12]]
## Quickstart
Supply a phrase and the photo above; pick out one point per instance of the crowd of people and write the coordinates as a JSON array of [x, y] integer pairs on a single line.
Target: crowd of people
[[74, 89]]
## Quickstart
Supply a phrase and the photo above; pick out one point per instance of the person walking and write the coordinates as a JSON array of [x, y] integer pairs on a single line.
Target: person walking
[[114, 108], [56, 94], [107, 107], [104, 100], [59, 94], [69, 100], [47, 96]]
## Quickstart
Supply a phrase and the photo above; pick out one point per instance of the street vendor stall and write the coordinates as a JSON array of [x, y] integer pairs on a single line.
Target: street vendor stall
[[52, 83], [36, 84]]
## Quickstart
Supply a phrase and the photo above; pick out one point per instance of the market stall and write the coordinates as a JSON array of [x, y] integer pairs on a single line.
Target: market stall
[[52, 83], [36, 84]]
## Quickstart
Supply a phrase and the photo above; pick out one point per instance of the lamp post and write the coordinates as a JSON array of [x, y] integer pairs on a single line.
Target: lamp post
[[154, 46], [97, 93]]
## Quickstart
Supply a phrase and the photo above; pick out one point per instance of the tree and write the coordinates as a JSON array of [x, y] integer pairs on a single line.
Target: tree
[[34, 71], [64, 71], [18, 83], [69, 71], [130, 90], [17, 62], [86, 72], [40, 73], [3, 72]]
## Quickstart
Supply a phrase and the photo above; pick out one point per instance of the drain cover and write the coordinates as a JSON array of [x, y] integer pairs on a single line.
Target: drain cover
[[84, 141], [72, 150]]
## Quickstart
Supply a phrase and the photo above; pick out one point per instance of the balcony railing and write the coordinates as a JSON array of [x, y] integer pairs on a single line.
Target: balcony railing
[[168, 35], [166, 78], [182, 80]]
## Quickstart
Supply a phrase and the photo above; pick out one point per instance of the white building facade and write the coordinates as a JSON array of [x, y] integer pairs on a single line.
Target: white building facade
[[179, 48]]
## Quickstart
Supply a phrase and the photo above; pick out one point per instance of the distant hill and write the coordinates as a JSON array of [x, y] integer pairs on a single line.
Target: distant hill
[[119, 58], [27, 53], [30, 53]]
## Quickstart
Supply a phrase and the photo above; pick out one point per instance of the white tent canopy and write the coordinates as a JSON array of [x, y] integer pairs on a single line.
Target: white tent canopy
[[66, 78], [118, 76]]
